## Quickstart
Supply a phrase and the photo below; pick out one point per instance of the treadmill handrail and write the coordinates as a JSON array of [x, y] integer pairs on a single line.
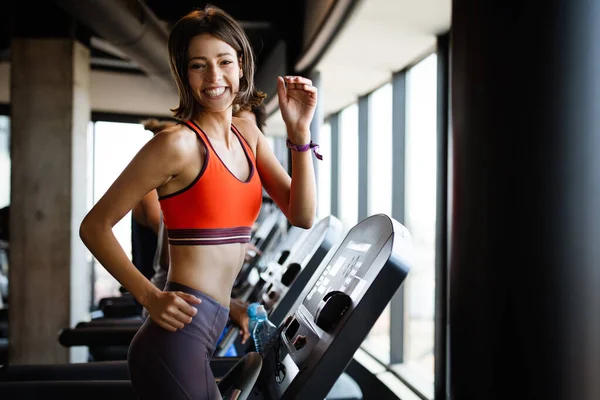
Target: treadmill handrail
[[242, 376], [97, 336], [240, 381]]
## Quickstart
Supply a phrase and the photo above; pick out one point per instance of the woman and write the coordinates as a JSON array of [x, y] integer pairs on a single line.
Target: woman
[[209, 172]]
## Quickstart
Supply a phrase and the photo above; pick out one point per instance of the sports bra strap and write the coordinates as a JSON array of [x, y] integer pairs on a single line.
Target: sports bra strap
[[243, 141], [199, 132]]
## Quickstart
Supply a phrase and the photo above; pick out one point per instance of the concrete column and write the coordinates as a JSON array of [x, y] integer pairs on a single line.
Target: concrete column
[[525, 245], [49, 275]]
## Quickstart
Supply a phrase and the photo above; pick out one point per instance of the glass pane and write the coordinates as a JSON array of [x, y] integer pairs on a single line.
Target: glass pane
[[380, 151], [377, 342], [115, 144], [4, 161], [420, 211], [348, 178], [324, 172]]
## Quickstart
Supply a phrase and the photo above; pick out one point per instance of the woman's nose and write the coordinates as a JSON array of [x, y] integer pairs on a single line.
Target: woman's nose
[[214, 74]]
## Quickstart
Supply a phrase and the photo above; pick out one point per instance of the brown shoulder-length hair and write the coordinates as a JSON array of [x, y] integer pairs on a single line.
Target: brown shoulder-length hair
[[218, 23]]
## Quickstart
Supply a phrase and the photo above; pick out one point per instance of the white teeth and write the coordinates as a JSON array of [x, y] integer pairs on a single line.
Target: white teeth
[[215, 92]]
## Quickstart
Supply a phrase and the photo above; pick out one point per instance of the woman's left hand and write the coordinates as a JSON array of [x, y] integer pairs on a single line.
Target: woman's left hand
[[297, 102], [238, 312], [251, 252]]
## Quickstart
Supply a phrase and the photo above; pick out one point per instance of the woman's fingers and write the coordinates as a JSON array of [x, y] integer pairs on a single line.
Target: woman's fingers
[[297, 80], [299, 83], [188, 297], [183, 303], [179, 311], [182, 311], [174, 310], [186, 307], [281, 90], [311, 89], [171, 322], [173, 319], [245, 333], [180, 316], [305, 87], [166, 326]]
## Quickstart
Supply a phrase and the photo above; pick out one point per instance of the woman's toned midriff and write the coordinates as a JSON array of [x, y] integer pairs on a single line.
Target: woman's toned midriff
[[209, 269]]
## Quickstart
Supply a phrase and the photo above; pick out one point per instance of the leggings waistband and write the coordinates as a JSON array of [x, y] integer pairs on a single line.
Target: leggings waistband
[[180, 287], [210, 320]]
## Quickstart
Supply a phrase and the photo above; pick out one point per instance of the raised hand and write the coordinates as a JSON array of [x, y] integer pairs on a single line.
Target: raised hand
[[297, 102], [172, 310]]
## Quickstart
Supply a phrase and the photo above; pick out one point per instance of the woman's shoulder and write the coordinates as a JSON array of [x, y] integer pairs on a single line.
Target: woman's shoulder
[[177, 136], [175, 130], [247, 129], [174, 145]]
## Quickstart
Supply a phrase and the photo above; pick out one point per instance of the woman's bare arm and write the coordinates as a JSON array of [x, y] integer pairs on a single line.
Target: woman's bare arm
[[155, 165], [295, 196]]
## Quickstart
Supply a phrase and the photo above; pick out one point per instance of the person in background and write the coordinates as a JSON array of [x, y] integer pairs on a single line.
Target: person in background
[[145, 218]]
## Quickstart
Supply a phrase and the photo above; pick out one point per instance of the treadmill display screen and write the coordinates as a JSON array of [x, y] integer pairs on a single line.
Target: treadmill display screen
[[345, 273]]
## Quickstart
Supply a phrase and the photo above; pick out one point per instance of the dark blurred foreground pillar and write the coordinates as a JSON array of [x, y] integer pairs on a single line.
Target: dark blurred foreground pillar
[[525, 247]]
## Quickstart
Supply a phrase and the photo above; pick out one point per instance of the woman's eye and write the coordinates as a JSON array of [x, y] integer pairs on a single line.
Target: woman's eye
[[196, 66]]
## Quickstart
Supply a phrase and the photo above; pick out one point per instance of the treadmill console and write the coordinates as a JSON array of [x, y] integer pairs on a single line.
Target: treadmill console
[[340, 305]]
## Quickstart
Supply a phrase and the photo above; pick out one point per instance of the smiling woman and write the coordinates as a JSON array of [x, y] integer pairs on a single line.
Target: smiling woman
[[214, 72], [228, 55], [209, 171]]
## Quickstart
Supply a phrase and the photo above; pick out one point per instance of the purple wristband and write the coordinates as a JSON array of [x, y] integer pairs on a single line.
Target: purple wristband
[[304, 147]]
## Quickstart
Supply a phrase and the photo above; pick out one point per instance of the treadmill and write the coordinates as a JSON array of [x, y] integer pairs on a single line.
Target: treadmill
[[336, 311], [267, 238], [283, 280], [315, 343]]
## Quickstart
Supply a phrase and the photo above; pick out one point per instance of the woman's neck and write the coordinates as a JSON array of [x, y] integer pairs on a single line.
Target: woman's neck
[[216, 125]]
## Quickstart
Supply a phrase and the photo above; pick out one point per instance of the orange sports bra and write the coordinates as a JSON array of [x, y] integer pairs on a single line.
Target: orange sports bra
[[216, 208]]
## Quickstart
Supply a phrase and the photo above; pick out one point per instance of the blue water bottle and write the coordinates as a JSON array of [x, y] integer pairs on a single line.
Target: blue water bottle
[[252, 307], [263, 331]]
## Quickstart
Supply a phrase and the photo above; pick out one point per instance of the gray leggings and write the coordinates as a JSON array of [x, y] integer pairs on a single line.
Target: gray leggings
[[175, 365]]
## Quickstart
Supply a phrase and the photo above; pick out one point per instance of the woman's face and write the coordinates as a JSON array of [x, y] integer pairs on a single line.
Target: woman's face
[[214, 72]]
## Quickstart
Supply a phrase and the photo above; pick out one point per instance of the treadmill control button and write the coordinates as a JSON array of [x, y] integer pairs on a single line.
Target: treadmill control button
[[331, 310], [290, 274]]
